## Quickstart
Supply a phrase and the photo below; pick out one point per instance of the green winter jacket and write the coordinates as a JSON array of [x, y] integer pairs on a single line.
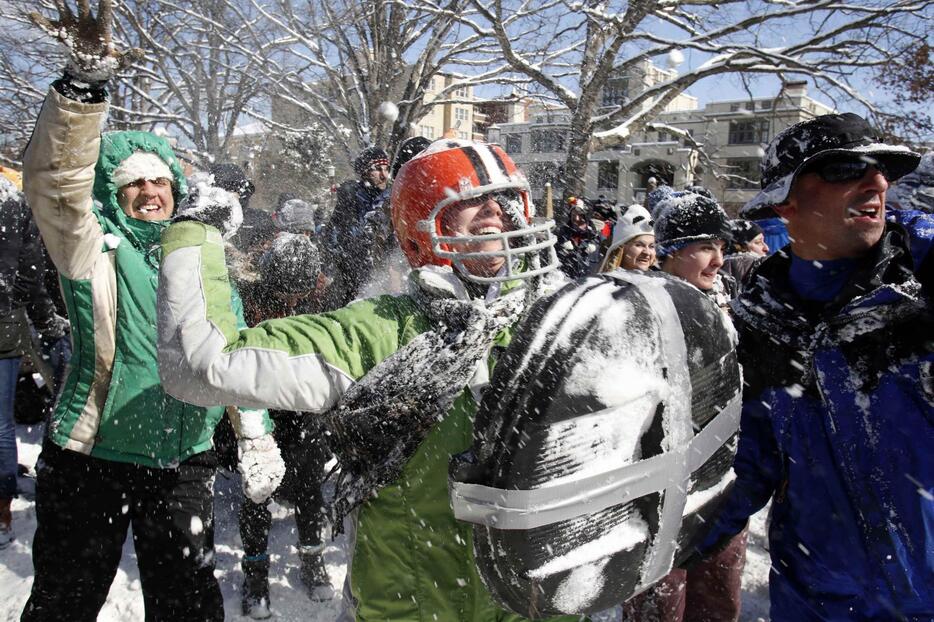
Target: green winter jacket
[[411, 559], [112, 405]]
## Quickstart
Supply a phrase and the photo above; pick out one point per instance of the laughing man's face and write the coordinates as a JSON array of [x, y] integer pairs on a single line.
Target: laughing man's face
[[835, 220], [147, 199]]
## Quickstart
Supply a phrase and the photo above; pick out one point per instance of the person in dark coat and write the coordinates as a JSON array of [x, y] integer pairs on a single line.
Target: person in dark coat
[[835, 338], [749, 249], [257, 226], [359, 204], [23, 298], [578, 244], [288, 275]]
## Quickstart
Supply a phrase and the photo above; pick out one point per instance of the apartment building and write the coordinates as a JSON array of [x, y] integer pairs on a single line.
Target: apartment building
[[732, 135], [454, 119]]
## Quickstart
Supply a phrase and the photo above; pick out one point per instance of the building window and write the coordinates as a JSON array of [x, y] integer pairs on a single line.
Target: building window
[[615, 91], [462, 135], [461, 114], [547, 141], [608, 175], [749, 132], [461, 92], [427, 131], [747, 168], [767, 105], [513, 143]]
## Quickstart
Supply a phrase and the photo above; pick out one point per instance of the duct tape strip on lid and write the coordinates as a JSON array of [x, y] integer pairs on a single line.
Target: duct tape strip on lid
[[668, 472], [677, 422]]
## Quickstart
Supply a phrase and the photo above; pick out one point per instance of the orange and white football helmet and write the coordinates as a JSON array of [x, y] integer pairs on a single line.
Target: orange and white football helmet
[[449, 171]]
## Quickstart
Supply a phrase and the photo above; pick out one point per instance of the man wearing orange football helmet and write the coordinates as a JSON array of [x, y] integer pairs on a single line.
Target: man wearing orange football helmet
[[398, 378]]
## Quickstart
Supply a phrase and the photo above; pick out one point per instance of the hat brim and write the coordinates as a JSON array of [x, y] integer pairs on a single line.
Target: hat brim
[[898, 162]]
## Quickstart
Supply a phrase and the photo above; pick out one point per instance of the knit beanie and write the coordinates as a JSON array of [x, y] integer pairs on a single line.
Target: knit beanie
[[409, 148], [686, 217], [295, 216], [655, 197], [291, 264], [367, 158], [140, 165], [744, 231], [232, 178]]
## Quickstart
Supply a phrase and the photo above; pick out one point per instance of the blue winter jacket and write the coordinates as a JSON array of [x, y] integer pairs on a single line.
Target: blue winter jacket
[[838, 429]]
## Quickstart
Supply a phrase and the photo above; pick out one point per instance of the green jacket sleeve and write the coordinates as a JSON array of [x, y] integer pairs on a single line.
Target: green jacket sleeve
[[296, 363]]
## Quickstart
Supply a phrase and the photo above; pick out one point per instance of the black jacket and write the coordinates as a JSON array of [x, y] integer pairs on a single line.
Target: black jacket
[[22, 271], [356, 239]]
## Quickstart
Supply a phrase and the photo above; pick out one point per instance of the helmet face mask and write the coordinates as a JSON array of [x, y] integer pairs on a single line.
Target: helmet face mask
[[451, 172]]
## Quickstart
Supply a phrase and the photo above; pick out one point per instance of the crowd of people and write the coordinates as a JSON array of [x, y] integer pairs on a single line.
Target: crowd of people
[[202, 333]]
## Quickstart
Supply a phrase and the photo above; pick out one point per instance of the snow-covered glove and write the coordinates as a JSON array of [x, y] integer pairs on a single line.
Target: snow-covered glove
[[379, 423], [92, 58], [261, 467], [213, 206]]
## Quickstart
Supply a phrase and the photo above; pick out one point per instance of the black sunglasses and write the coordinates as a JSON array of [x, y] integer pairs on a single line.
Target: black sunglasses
[[839, 171]]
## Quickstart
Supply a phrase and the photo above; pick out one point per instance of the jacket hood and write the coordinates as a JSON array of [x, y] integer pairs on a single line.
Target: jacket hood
[[117, 147]]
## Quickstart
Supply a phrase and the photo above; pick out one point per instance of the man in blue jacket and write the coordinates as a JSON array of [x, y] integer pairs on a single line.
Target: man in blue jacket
[[837, 345]]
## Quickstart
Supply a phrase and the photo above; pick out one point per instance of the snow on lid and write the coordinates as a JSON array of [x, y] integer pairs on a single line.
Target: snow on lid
[[581, 587], [622, 372], [880, 147], [698, 499], [623, 537]]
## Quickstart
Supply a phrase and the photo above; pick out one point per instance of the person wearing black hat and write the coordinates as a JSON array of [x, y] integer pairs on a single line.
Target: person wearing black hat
[[749, 248], [350, 258], [578, 245], [257, 227], [288, 272], [748, 237], [835, 338]]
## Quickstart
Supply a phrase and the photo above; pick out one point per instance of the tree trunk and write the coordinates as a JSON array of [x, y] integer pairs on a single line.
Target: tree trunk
[[575, 166]]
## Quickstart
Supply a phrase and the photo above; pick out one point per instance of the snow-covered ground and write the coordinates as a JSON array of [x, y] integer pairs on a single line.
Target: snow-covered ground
[[125, 602]]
